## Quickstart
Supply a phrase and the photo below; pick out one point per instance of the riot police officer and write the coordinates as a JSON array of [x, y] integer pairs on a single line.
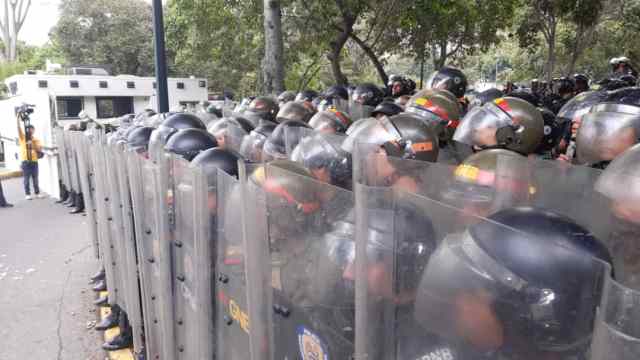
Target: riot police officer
[[440, 110], [294, 110], [261, 109], [609, 128], [275, 146], [330, 121], [229, 131], [508, 123], [336, 97], [364, 98], [285, 97], [323, 156], [480, 298], [252, 144]]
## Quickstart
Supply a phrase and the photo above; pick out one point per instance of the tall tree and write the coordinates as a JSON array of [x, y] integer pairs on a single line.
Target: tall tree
[[13, 16], [545, 17], [273, 63], [451, 29], [107, 32]]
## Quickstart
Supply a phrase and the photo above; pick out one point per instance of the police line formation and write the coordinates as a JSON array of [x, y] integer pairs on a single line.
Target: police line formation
[[348, 225]]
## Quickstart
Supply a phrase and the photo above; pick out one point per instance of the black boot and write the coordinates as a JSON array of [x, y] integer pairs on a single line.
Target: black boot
[[72, 199], [79, 204], [111, 321], [121, 341], [100, 286], [100, 275], [102, 301], [124, 339], [64, 194]]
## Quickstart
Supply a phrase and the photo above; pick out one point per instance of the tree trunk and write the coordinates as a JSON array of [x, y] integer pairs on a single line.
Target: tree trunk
[[582, 36], [335, 54], [441, 58], [6, 35], [373, 57], [551, 56], [273, 64]]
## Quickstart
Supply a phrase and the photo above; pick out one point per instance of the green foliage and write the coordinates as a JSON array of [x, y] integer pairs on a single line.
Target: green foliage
[[454, 28], [107, 32], [219, 39]]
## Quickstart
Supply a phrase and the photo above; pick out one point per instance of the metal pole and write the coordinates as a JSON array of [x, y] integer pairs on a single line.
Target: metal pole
[[422, 69], [162, 89]]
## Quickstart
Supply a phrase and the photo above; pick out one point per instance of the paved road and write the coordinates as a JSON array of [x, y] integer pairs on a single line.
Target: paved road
[[45, 300]]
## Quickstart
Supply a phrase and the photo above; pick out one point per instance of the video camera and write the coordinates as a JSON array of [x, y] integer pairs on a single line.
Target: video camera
[[25, 110]]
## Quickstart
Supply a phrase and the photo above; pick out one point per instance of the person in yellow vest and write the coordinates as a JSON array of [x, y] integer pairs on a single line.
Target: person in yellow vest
[[30, 152]]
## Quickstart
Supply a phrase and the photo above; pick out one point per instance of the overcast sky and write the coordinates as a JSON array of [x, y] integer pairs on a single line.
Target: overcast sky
[[42, 17]]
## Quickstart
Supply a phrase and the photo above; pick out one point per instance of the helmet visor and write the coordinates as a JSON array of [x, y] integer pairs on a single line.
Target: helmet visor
[[510, 314], [479, 126], [604, 135]]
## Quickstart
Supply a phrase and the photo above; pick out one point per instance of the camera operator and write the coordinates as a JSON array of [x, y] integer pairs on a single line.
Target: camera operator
[[30, 151]]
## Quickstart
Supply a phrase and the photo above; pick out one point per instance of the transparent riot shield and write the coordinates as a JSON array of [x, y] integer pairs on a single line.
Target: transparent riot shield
[[85, 169], [113, 205], [103, 215], [63, 170], [144, 224], [129, 250], [617, 329], [191, 258], [73, 164], [358, 111], [236, 326], [453, 279], [310, 241], [159, 196]]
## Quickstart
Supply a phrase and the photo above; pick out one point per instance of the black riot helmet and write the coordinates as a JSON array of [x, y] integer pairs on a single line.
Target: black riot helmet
[[553, 132], [367, 94], [262, 108], [173, 123], [449, 78], [582, 82], [495, 287], [335, 97], [285, 97], [252, 144], [216, 158], [275, 146], [138, 139], [294, 110], [485, 96], [398, 86], [323, 156], [563, 86], [387, 108], [190, 142], [525, 95], [404, 135], [307, 95], [336, 91]]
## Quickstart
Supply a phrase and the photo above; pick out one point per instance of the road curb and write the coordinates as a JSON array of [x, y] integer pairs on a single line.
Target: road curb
[[124, 354], [4, 175]]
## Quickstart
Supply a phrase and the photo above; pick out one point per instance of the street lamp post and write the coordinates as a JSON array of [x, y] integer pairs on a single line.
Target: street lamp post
[[162, 88]]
